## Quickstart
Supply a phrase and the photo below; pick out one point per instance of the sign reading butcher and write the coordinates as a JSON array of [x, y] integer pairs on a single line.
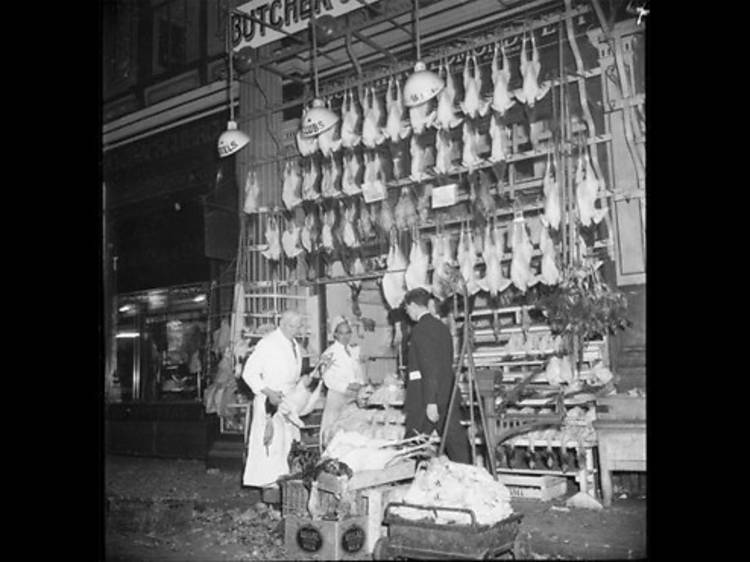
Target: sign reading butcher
[[291, 16]]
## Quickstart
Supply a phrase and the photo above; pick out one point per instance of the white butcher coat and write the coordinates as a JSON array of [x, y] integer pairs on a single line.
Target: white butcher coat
[[344, 370], [272, 363]]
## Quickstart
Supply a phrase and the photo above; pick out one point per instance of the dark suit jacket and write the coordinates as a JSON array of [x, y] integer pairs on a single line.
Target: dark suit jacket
[[431, 355]]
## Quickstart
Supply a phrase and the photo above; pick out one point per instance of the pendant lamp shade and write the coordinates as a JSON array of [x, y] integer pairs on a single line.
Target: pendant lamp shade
[[421, 86], [318, 119], [232, 140]]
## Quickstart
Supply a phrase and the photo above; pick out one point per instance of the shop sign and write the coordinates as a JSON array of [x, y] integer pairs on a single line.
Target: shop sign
[[444, 196], [353, 539], [273, 16], [309, 538]]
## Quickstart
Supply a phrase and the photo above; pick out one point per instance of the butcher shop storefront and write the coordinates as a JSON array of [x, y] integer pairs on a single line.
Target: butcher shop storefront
[[438, 311]]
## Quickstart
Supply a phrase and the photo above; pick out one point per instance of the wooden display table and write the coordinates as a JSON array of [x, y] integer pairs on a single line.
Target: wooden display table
[[622, 446]]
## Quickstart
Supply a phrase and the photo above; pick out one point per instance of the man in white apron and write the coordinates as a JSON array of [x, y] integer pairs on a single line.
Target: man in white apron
[[343, 376], [271, 371]]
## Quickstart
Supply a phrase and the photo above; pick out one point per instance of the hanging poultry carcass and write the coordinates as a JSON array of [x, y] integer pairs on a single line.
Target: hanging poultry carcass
[[485, 200], [446, 117], [467, 259], [417, 160], [349, 232], [310, 180], [352, 169], [502, 99], [470, 154], [329, 141], [396, 128], [550, 274], [394, 285], [499, 138], [292, 185], [273, 238], [424, 203], [306, 146], [587, 192], [520, 266], [419, 262], [358, 268], [444, 152], [350, 121], [373, 182], [364, 222], [405, 214], [308, 235], [372, 132], [493, 282], [385, 218], [290, 240], [473, 105], [326, 235], [530, 91], [326, 181], [551, 188], [443, 264], [252, 192]]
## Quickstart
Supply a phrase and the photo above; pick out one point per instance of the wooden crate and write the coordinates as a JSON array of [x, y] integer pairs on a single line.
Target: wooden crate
[[377, 501], [294, 499], [307, 539], [542, 488], [368, 478]]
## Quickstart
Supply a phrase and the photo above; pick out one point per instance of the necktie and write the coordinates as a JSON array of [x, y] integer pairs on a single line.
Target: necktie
[[294, 349]]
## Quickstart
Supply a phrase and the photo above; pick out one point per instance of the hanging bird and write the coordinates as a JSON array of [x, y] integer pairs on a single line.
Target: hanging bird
[[290, 240], [352, 168], [273, 237], [530, 92], [473, 106], [396, 128], [290, 191], [350, 119], [310, 179], [252, 192], [502, 100], [417, 160], [330, 141], [446, 117], [551, 188], [372, 132]]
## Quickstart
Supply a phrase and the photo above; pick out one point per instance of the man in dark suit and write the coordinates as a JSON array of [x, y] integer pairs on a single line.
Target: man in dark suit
[[430, 379]]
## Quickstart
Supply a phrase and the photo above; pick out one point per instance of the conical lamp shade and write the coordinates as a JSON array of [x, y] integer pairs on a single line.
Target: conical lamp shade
[[232, 140], [421, 86], [318, 120]]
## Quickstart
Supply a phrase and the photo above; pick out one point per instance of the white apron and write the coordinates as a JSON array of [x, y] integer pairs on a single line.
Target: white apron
[[344, 369], [271, 364]]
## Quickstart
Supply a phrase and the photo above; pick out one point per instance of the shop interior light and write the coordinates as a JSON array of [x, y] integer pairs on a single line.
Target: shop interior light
[[126, 308], [127, 335], [232, 140], [199, 298], [319, 118], [424, 84]]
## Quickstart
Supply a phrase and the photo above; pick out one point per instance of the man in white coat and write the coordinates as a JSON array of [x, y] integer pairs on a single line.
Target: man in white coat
[[271, 371]]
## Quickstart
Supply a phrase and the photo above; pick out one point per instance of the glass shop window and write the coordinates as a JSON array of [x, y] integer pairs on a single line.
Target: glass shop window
[[176, 30], [161, 345]]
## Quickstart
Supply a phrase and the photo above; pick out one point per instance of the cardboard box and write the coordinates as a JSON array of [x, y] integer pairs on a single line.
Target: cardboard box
[[307, 539]]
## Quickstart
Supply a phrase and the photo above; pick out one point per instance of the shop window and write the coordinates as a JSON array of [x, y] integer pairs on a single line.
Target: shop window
[[176, 32], [161, 344]]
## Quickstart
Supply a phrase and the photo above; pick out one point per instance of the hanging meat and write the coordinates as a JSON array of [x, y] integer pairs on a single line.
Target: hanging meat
[[396, 128], [499, 138], [587, 192], [419, 262], [273, 238], [364, 222], [466, 258], [394, 287], [292, 185], [349, 232], [493, 282], [308, 235], [444, 152], [550, 275], [329, 141], [446, 117], [350, 120], [352, 168], [417, 160], [326, 235], [423, 204], [473, 105], [530, 91], [252, 192], [485, 200], [470, 155], [290, 240], [520, 266], [306, 146], [405, 214], [373, 181], [502, 100], [386, 221], [442, 266], [372, 133], [551, 196], [310, 180]]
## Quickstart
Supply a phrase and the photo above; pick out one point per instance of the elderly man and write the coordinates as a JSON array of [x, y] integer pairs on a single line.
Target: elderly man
[[271, 371]]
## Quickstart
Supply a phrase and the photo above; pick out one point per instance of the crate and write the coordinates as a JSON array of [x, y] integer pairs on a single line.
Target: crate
[[543, 488], [308, 539], [294, 499]]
